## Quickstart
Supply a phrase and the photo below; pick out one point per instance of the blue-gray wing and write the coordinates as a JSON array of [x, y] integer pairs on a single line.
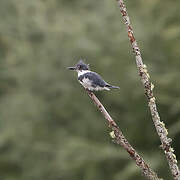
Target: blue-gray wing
[[95, 79]]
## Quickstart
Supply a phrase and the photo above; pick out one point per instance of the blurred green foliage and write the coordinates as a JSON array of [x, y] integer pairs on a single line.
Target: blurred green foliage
[[49, 128]]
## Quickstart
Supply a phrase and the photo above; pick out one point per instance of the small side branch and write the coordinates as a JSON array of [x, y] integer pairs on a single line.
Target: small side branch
[[148, 86], [120, 139]]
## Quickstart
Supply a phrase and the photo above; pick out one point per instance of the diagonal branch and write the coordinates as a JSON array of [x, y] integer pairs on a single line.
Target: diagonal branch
[[148, 86], [120, 139]]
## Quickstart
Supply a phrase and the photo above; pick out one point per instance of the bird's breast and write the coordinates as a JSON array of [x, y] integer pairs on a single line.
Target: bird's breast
[[86, 82]]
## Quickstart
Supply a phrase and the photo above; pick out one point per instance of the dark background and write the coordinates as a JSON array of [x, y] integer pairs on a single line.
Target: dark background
[[49, 128]]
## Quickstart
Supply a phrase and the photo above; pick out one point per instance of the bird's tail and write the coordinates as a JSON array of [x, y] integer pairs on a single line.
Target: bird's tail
[[113, 87]]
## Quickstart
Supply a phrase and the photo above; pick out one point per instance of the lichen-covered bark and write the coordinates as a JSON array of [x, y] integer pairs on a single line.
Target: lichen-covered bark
[[148, 86], [119, 138]]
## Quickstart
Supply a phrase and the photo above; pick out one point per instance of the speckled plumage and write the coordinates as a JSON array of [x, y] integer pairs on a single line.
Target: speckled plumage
[[90, 80]]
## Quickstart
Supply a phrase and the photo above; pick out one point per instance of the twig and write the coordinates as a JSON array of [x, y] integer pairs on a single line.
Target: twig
[[119, 138], [148, 86]]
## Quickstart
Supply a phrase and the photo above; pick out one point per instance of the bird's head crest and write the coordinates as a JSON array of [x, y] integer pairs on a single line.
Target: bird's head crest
[[82, 66]]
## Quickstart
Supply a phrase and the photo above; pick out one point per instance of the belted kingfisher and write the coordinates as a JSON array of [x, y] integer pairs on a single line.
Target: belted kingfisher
[[90, 80]]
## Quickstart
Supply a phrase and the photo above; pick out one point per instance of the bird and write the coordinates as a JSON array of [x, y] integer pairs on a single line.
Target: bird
[[90, 80]]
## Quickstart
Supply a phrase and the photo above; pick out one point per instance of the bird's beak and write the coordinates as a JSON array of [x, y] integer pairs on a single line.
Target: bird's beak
[[72, 68]]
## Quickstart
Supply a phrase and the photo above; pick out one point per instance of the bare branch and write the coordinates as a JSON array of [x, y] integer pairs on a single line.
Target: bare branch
[[148, 86], [119, 138]]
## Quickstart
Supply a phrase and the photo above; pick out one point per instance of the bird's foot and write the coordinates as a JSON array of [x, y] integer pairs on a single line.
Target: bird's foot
[[88, 90]]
